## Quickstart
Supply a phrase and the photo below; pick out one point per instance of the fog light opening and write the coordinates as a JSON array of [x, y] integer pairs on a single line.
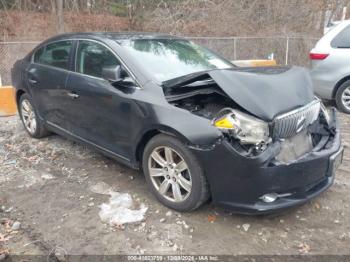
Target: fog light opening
[[269, 198], [272, 197]]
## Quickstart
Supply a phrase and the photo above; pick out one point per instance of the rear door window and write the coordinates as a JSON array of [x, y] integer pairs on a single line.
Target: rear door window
[[56, 54], [342, 40], [92, 57]]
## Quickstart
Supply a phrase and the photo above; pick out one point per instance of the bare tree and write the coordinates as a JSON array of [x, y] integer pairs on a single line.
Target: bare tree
[[60, 16], [227, 17], [197, 17]]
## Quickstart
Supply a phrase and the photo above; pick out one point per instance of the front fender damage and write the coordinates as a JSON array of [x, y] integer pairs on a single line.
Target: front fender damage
[[264, 93], [323, 134]]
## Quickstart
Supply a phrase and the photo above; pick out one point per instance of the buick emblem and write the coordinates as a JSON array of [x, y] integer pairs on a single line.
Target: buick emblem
[[300, 123]]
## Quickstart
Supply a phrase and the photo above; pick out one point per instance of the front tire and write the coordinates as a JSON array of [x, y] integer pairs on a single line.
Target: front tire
[[31, 122], [342, 97], [174, 174]]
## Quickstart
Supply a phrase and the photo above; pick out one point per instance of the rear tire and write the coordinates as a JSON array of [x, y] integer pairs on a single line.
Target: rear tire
[[31, 122], [174, 174], [342, 97]]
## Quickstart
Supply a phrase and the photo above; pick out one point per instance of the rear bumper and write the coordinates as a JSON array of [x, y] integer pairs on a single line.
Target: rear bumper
[[238, 182]]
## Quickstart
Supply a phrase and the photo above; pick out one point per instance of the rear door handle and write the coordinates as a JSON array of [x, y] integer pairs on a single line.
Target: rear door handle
[[73, 95], [32, 81]]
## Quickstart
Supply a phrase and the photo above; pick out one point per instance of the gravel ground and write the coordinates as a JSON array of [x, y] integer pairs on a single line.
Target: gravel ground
[[46, 185]]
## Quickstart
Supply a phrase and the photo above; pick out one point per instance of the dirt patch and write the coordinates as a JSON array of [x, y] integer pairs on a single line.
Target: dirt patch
[[53, 188]]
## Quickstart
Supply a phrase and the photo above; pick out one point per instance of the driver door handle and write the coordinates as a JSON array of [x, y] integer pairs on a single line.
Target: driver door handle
[[32, 81], [73, 95]]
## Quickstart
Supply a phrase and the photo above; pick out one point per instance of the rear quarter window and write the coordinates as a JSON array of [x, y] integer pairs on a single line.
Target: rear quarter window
[[55, 54], [342, 40]]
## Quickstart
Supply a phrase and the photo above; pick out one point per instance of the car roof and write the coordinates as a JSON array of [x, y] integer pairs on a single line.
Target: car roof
[[324, 43], [113, 36]]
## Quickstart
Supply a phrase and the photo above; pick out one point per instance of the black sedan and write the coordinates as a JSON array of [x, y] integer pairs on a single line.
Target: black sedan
[[255, 140]]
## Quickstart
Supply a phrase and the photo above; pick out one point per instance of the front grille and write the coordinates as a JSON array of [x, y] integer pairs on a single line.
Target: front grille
[[291, 123]]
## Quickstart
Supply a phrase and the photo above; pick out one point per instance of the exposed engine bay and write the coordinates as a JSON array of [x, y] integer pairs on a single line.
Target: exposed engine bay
[[298, 133], [206, 103]]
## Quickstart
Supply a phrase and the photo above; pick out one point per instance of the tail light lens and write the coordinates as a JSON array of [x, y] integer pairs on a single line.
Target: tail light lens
[[318, 56]]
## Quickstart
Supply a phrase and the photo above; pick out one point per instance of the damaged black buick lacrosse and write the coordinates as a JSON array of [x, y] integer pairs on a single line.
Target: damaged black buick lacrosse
[[254, 140]]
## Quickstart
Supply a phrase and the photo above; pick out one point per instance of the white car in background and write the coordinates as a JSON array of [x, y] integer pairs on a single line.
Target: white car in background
[[331, 66]]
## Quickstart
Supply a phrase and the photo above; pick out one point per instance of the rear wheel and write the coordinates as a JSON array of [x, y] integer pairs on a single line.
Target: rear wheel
[[342, 97], [174, 174], [31, 122]]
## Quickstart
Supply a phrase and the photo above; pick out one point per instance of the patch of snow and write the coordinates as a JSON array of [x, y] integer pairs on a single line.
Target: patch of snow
[[246, 227], [47, 176], [121, 210]]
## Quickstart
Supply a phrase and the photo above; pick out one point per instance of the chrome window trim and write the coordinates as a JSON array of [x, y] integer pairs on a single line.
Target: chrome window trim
[[139, 86]]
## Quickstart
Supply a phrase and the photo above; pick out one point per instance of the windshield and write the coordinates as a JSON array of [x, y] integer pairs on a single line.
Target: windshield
[[170, 58]]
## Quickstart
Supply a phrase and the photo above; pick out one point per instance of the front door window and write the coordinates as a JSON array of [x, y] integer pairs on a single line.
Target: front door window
[[92, 57]]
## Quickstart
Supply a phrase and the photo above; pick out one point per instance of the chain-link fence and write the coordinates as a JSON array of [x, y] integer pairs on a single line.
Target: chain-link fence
[[286, 50], [10, 52]]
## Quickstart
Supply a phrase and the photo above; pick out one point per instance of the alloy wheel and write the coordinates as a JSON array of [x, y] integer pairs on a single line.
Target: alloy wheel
[[345, 98], [28, 116], [170, 174]]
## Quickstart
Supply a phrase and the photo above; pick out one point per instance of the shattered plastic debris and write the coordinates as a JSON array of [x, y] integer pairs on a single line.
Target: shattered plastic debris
[[121, 210]]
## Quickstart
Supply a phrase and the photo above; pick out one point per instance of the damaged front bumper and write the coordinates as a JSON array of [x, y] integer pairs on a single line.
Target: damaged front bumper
[[239, 183]]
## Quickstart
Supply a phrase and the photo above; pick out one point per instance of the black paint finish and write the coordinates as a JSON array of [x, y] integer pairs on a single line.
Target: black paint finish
[[118, 119]]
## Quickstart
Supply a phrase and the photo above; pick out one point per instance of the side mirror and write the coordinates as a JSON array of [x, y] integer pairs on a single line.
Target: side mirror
[[112, 74]]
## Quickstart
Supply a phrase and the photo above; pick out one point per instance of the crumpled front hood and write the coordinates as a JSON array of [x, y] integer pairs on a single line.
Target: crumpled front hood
[[264, 92]]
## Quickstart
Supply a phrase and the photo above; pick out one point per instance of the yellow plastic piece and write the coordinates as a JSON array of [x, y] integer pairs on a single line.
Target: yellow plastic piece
[[254, 63], [224, 123], [264, 62], [7, 101]]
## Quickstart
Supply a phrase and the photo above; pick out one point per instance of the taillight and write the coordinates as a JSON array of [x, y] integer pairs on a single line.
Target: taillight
[[318, 56]]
